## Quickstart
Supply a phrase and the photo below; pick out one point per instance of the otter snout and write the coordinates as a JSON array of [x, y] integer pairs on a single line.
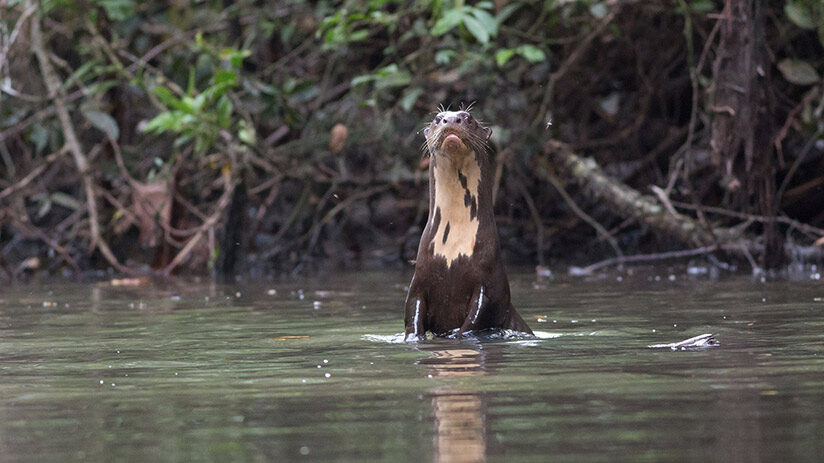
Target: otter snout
[[456, 131]]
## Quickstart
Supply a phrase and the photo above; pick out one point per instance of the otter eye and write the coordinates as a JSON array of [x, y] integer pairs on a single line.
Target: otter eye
[[437, 120]]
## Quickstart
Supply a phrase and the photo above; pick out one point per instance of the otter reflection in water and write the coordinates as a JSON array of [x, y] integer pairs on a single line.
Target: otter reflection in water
[[459, 411]]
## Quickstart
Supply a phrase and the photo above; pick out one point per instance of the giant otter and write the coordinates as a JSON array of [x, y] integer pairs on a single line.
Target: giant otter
[[460, 284]]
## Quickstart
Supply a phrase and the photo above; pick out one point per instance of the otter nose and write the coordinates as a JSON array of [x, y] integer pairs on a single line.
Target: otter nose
[[458, 118]]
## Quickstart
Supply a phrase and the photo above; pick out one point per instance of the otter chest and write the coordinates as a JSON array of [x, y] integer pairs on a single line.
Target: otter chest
[[455, 210]]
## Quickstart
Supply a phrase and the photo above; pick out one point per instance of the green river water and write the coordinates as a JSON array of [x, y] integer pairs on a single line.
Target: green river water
[[314, 370]]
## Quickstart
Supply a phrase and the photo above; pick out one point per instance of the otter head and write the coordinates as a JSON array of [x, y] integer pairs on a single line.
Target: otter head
[[456, 133]]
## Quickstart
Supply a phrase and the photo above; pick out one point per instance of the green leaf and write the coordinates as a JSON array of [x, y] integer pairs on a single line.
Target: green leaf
[[798, 72], [103, 122], [169, 121], [182, 141], [387, 77], [410, 97], [117, 10], [702, 6], [396, 79], [359, 35], [62, 199], [78, 75], [503, 55], [444, 56], [215, 91], [362, 79], [224, 111], [166, 97], [487, 20], [195, 104], [202, 143], [235, 57], [507, 11], [246, 133], [477, 29], [39, 136], [449, 20], [799, 16], [532, 53], [225, 77], [599, 10], [45, 207], [190, 88]]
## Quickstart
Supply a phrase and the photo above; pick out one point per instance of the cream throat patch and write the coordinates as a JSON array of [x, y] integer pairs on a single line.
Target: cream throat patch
[[456, 202]]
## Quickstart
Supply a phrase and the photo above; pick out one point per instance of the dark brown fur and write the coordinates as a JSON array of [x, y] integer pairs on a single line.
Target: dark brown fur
[[460, 284]]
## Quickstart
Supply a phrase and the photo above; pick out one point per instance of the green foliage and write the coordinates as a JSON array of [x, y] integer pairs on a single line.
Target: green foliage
[[806, 14], [476, 19], [199, 115], [347, 26], [103, 122], [529, 52], [387, 77], [798, 71]]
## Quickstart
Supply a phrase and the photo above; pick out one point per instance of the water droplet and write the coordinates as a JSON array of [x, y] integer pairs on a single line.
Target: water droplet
[[304, 450], [325, 361], [328, 375]]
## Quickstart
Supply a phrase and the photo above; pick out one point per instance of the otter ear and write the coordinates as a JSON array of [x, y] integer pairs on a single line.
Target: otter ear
[[426, 132], [488, 133]]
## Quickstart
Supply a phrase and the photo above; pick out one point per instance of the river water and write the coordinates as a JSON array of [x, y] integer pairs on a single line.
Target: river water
[[313, 370]]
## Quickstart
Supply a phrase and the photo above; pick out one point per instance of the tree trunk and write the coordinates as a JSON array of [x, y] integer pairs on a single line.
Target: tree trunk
[[741, 124]]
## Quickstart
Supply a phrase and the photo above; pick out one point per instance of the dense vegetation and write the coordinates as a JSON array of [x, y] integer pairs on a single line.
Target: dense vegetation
[[254, 137]]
